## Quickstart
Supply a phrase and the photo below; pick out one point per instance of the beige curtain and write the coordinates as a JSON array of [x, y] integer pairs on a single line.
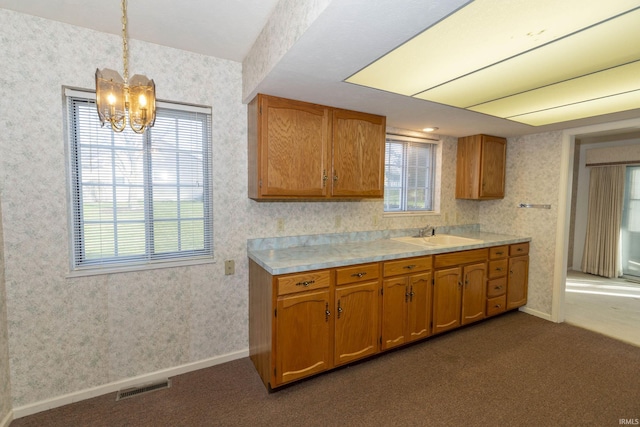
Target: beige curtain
[[604, 218]]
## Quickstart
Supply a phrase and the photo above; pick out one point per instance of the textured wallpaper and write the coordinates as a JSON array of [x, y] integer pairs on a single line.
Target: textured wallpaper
[[5, 382], [70, 334], [532, 176], [289, 20]]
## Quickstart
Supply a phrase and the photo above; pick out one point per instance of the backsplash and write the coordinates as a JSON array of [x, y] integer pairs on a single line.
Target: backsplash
[[358, 236]]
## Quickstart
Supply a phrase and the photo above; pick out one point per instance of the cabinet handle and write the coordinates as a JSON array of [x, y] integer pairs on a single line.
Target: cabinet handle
[[411, 294], [497, 287], [498, 268], [459, 284], [499, 253], [358, 275], [339, 309], [497, 306], [410, 267], [519, 249], [306, 283], [325, 177], [335, 178], [327, 313]]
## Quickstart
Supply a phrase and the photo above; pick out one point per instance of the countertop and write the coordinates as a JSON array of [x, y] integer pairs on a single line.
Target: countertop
[[300, 258]]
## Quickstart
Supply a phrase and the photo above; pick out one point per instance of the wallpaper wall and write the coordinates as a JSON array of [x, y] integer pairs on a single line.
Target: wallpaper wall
[[5, 381], [532, 176], [289, 20], [71, 334]]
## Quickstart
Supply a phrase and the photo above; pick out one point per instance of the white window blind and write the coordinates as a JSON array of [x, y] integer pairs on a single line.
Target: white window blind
[[409, 178], [139, 199]]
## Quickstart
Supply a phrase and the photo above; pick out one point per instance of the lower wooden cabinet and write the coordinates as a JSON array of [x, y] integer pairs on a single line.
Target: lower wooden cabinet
[[306, 323], [406, 301], [447, 293], [474, 279], [302, 322], [517, 282], [356, 319]]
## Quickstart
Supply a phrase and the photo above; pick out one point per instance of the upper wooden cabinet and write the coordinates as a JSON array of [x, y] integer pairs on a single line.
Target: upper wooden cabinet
[[480, 167], [299, 150]]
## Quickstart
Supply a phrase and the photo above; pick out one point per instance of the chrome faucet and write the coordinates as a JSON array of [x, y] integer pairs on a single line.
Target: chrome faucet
[[429, 230]]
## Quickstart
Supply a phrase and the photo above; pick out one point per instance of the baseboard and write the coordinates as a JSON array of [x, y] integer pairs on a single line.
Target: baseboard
[[540, 314], [7, 419], [33, 408]]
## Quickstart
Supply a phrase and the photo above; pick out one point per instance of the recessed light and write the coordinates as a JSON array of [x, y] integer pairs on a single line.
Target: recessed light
[[429, 129]]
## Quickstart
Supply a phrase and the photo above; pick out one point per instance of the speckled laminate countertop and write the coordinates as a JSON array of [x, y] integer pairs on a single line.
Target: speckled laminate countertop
[[318, 255]]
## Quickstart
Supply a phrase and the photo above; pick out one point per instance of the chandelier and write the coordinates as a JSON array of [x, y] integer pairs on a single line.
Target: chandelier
[[116, 97]]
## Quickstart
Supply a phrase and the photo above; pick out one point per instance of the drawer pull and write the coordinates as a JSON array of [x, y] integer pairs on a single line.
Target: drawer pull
[[497, 288], [410, 267], [306, 283], [358, 274], [500, 253], [497, 306], [520, 249], [498, 268]]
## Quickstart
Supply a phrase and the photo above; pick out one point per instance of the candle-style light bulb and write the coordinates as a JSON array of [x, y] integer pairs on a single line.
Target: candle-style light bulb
[[111, 99], [142, 100]]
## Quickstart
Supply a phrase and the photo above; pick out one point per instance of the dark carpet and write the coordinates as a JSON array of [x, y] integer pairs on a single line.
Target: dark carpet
[[512, 370]]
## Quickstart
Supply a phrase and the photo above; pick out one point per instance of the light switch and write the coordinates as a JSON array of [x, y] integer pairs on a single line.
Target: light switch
[[229, 267]]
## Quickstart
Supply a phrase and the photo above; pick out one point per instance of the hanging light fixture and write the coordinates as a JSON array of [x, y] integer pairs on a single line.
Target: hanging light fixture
[[116, 97]]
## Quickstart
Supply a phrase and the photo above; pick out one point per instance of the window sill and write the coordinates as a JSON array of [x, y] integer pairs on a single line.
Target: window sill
[[410, 213], [115, 269]]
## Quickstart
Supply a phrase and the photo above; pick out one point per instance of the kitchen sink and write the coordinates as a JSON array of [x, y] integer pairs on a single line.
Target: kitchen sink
[[438, 240]]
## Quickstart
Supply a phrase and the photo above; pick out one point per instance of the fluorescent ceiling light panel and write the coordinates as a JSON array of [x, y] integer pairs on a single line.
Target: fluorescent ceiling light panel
[[492, 49], [608, 46], [614, 81], [594, 107]]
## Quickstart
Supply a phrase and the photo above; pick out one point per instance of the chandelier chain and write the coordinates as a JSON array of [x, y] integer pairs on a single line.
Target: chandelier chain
[[125, 45]]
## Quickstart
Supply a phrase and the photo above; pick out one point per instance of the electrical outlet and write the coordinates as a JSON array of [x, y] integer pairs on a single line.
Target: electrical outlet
[[338, 221], [446, 218], [229, 267], [376, 220], [280, 226]]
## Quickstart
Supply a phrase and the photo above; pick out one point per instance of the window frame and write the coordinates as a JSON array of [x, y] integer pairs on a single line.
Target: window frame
[[435, 174], [149, 260]]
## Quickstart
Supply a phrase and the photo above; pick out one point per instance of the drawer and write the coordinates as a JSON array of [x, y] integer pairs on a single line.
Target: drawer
[[496, 305], [519, 249], [303, 282], [498, 252], [496, 287], [358, 273], [462, 257], [498, 268], [405, 266]]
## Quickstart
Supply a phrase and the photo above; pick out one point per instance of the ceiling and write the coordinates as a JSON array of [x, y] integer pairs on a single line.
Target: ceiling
[[347, 36]]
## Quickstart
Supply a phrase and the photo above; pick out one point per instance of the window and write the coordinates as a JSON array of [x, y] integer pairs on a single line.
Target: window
[[139, 200], [409, 178]]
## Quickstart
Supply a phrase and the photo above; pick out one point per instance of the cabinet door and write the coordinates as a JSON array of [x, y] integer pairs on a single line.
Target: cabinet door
[[419, 314], [294, 144], [395, 298], [518, 282], [356, 321], [302, 341], [447, 291], [473, 293], [358, 154], [493, 167]]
